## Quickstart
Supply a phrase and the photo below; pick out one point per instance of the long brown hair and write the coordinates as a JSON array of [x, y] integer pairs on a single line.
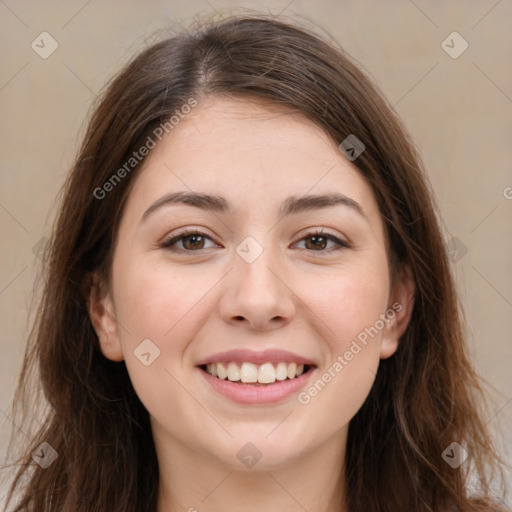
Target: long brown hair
[[425, 397]]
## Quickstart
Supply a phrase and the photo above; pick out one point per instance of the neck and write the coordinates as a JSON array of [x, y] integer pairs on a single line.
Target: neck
[[194, 482]]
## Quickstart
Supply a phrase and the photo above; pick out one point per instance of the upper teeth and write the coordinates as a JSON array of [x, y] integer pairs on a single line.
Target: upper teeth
[[249, 372]]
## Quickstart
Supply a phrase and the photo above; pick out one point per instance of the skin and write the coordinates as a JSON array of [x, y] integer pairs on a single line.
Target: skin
[[294, 296]]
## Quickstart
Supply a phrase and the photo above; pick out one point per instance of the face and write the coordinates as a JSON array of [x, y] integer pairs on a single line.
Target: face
[[286, 265]]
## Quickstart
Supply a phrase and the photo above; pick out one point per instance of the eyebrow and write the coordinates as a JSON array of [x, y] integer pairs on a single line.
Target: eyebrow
[[290, 206]]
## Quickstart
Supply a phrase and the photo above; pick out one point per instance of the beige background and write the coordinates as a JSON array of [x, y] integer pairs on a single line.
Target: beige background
[[458, 111]]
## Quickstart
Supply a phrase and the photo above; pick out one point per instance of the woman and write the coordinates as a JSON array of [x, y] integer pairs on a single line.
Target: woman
[[248, 303]]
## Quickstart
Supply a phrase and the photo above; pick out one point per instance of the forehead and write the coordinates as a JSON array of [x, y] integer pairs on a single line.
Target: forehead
[[240, 130], [248, 149]]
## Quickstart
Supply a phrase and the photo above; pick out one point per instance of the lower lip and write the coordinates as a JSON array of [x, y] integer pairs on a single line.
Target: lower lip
[[247, 394]]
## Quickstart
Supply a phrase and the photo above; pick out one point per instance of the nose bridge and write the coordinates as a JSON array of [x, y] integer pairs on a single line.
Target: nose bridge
[[256, 292], [256, 265]]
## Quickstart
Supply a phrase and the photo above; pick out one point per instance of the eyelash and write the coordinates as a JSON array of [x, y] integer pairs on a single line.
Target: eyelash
[[168, 243]]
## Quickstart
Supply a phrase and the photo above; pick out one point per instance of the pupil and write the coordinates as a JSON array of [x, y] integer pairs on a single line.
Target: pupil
[[194, 239], [316, 239]]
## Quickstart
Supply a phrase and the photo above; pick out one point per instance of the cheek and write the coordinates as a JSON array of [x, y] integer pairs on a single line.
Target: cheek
[[166, 308], [350, 308], [157, 303], [154, 301], [349, 301]]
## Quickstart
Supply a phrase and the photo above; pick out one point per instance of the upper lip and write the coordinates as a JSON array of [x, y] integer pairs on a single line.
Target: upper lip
[[256, 357]]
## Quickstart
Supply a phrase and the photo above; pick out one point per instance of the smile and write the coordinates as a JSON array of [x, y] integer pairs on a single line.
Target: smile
[[256, 377], [250, 373]]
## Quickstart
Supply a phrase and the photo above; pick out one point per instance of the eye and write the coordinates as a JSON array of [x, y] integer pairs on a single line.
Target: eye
[[194, 240], [318, 241], [190, 241]]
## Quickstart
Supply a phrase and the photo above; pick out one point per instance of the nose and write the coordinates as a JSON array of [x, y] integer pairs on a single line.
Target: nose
[[257, 294]]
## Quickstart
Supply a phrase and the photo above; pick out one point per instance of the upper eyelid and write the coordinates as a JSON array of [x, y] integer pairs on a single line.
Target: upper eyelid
[[188, 232]]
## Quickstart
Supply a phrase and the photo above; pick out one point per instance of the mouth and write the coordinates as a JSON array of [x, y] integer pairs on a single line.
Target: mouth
[[256, 375]]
